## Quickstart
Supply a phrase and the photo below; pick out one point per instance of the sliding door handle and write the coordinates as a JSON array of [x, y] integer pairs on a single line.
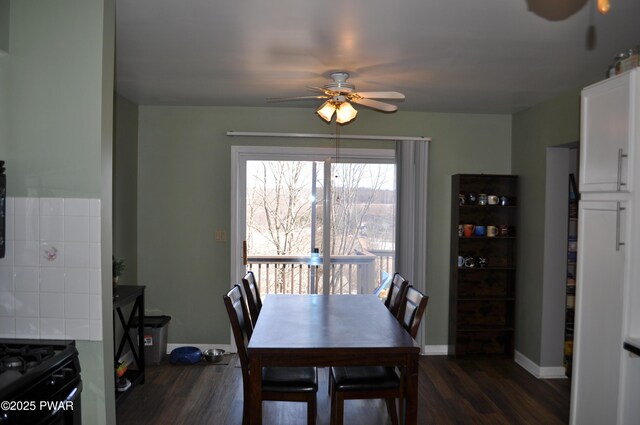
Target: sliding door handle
[[244, 253]]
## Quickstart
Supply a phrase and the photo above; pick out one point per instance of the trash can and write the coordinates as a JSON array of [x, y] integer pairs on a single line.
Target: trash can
[[155, 337]]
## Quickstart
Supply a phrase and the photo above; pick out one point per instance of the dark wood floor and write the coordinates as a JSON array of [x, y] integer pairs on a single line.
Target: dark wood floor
[[485, 391]]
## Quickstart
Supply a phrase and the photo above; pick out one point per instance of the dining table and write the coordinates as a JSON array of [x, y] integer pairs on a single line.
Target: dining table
[[330, 330]]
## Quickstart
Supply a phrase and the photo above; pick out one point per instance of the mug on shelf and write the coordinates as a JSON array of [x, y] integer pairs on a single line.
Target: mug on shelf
[[468, 230], [504, 200], [470, 261], [471, 198], [482, 199], [492, 231], [460, 261], [460, 230], [461, 198], [503, 230], [493, 199], [480, 230]]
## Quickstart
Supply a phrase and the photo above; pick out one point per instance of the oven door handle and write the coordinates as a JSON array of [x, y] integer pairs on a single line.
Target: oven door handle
[[61, 404]]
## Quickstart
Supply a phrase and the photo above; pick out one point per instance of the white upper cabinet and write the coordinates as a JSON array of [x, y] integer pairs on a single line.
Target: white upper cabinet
[[609, 120]]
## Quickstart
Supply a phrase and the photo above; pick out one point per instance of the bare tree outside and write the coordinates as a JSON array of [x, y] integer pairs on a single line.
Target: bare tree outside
[[278, 207], [279, 222], [356, 188]]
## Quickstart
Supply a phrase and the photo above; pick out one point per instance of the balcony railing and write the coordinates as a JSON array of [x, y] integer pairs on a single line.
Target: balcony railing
[[292, 274]]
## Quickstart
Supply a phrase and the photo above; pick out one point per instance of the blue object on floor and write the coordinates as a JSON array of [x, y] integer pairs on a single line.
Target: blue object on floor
[[185, 355]]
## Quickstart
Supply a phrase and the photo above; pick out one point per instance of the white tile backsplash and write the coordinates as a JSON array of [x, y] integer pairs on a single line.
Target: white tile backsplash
[[26, 219], [51, 254], [27, 304], [52, 328], [77, 255], [7, 305], [50, 278], [51, 206], [6, 279], [52, 305], [8, 227], [27, 327], [77, 329], [95, 329], [25, 253], [77, 281], [94, 208], [81, 207], [52, 228], [25, 279], [76, 306], [9, 206], [76, 229], [94, 229], [7, 327]]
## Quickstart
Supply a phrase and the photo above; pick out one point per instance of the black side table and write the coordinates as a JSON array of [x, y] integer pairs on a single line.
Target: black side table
[[124, 295]]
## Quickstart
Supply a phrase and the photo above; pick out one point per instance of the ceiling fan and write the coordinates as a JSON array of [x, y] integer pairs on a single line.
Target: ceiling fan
[[339, 95]]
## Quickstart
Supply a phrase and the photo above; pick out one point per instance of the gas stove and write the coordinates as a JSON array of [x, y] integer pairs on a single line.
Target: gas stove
[[39, 382]]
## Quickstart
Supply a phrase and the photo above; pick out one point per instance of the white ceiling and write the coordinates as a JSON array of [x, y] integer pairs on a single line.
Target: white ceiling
[[481, 56]]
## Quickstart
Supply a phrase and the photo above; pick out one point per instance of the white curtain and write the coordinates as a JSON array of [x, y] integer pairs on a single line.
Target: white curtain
[[411, 219]]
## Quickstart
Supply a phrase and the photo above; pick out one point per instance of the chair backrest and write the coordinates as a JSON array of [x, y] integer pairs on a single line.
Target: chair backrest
[[412, 310], [396, 293], [253, 296], [241, 326]]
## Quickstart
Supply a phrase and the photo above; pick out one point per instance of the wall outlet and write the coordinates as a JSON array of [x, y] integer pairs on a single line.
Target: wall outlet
[[221, 235]]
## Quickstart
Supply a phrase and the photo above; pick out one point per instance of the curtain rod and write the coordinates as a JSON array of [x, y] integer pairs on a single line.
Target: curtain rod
[[322, 136]]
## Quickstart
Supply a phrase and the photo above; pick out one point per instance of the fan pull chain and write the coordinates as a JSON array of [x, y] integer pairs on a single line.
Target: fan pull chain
[[337, 160]]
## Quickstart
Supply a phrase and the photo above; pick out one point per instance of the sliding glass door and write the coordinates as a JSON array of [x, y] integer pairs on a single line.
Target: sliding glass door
[[311, 222]]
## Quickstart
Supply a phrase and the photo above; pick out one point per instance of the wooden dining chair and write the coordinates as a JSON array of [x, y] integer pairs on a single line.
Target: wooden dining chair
[[396, 293], [278, 383], [253, 296], [373, 382]]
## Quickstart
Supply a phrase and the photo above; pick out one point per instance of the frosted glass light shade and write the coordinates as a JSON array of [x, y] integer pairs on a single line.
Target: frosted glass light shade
[[326, 110], [345, 113]]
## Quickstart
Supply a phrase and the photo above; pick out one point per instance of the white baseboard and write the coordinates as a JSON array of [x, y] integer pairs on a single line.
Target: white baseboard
[[538, 371], [435, 350], [202, 347]]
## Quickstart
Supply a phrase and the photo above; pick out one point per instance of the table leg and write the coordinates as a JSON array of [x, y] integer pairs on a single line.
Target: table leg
[[255, 378], [411, 391]]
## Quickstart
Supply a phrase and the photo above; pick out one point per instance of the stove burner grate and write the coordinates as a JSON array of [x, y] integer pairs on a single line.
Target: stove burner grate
[[24, 357]]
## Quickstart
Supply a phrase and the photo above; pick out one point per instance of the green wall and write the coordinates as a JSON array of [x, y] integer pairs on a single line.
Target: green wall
[[552, 123], [4, 26], [4, 106], [125, 186], [54, 122], [55, 94], [184, 194]]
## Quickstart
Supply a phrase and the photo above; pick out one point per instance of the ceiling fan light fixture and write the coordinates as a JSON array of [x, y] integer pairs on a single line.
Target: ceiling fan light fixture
[[345, 113], [326, 110], [604, 6]]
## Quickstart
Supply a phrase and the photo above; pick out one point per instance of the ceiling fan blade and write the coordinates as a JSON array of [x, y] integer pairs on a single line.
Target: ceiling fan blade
[[286, 99], [381, 95], [386, 107], [322, 90]]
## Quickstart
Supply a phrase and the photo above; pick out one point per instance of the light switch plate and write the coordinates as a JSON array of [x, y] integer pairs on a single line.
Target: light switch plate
[[221, 235]]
